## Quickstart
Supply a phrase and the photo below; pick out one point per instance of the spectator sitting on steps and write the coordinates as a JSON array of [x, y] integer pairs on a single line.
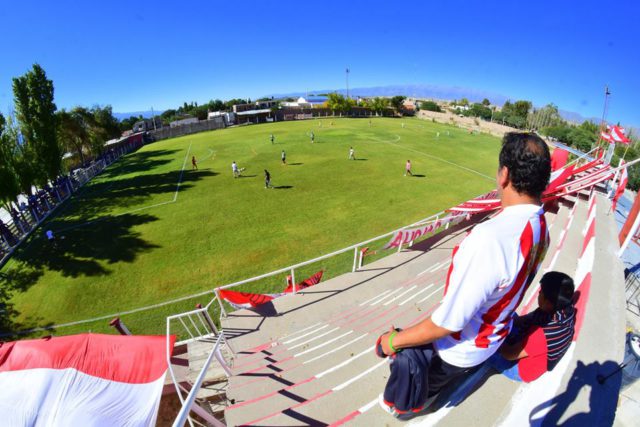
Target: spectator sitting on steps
[[490, 272], [539, 339]]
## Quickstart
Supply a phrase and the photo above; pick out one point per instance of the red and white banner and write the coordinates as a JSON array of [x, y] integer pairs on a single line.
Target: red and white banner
[[618, 134], [313, 280], [241, 300], [405, 236], [624, 179], [82, 380]]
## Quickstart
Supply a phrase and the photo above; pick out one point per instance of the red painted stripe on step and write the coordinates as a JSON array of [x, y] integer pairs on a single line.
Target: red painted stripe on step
[[345, 419], [265, 396], [316, 397]]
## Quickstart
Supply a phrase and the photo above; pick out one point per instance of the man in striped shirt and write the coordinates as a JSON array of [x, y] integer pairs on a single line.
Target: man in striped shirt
[[539, 339], [489, 274]]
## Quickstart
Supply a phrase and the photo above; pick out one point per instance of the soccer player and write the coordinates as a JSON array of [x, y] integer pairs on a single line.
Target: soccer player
[[194, 163], [267, 179], [313, 137], [234, 169], [351, 154], [539, 339], [272, 138], [489, 274], [407, 168], [283, 156]]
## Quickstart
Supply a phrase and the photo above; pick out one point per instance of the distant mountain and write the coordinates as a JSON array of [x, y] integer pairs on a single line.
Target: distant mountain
[[145, 114], [415, 91]]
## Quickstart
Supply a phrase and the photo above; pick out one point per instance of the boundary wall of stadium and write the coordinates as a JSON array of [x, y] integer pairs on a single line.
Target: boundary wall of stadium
[[20, 226]]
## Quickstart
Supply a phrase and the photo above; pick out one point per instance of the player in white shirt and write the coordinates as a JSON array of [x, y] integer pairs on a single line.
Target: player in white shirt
[[490, 272], [352, 154], [234, 169]]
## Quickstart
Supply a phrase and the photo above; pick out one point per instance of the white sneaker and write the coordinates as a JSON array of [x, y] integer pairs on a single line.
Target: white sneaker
[[388, 409]]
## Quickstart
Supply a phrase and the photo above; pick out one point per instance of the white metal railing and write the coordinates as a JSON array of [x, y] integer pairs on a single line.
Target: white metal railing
[[189, 403], [291, 269]]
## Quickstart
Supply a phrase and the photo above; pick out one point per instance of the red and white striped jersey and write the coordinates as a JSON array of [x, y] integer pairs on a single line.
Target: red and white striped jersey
[[489, 274]]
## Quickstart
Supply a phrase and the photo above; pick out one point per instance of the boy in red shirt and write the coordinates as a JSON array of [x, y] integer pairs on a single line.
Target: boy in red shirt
[[539, 339]]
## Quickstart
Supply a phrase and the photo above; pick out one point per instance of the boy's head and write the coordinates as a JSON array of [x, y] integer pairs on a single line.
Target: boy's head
[[556, 291]]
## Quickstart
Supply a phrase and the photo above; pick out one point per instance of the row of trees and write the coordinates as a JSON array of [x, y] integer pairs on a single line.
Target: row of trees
[[34, 139]]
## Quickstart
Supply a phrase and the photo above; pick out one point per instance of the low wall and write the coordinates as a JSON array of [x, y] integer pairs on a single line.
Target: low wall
[[466, 122], [201, 126]]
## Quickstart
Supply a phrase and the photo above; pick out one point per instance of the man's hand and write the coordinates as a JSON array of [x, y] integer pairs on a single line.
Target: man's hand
[[384, 342]]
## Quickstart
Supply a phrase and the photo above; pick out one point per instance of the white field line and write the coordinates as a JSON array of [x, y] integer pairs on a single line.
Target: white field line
[[431, 294], [439, 159], [323, 344], [314, 338], [155, 205], [357, 377], [385, 297], [345, 363], [376, 297], [416, 294], [300, 330], [335, 349], [184, 164], [400, 295], [305, 335]]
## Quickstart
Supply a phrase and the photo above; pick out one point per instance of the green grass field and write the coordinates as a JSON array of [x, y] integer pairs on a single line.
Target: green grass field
[[132, 238]]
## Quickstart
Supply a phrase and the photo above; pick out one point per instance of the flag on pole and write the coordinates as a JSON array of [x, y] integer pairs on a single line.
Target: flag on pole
[[607, 137], [624, 179], [618, 134]]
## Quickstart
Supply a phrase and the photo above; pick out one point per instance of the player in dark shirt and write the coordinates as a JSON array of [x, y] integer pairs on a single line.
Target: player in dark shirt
[[267, 179]]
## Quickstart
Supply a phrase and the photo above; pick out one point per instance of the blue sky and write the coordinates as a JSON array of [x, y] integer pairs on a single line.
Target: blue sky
[[138, 54]]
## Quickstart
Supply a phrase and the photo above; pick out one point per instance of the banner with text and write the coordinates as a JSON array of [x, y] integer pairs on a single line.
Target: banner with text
[[405, 236]]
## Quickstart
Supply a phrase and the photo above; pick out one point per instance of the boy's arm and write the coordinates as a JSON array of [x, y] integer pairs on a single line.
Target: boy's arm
[[513, 351]]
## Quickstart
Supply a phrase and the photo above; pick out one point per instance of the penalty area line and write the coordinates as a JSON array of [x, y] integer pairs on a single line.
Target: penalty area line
[[155, 205], [437, 158]]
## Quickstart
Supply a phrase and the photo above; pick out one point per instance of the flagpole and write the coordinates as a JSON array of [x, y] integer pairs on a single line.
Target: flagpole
[[604, 114]]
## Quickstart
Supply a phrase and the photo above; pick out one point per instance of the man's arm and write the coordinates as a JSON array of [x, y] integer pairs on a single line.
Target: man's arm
[[423, 333]]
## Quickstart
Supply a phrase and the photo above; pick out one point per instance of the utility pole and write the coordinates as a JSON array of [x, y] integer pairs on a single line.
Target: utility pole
[[603, 122], [347, 73], [153, 117]]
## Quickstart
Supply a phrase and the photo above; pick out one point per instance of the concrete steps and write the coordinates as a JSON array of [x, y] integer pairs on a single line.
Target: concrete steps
[[313, 363]]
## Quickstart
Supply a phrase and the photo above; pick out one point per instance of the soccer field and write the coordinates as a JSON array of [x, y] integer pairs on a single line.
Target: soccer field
[[151, 229]]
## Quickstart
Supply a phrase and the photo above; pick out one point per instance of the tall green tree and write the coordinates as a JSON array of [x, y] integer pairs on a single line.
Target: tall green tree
[[397, 102], [9, 186], [35, 112], [378, 105]]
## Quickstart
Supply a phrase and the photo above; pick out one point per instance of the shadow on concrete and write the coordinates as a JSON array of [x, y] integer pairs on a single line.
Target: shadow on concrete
[[603, 398]]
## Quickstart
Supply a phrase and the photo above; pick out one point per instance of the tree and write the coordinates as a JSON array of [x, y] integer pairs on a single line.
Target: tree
[[464, 102], [378, 105], [486, 102], [430, 106], [35, 111], [339, 103], [479, 110], [9, 186], [127, 124], [397, 102]]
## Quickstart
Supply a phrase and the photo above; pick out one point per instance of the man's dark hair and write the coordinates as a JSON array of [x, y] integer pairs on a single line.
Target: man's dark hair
[[557, 287], [527, 158]]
